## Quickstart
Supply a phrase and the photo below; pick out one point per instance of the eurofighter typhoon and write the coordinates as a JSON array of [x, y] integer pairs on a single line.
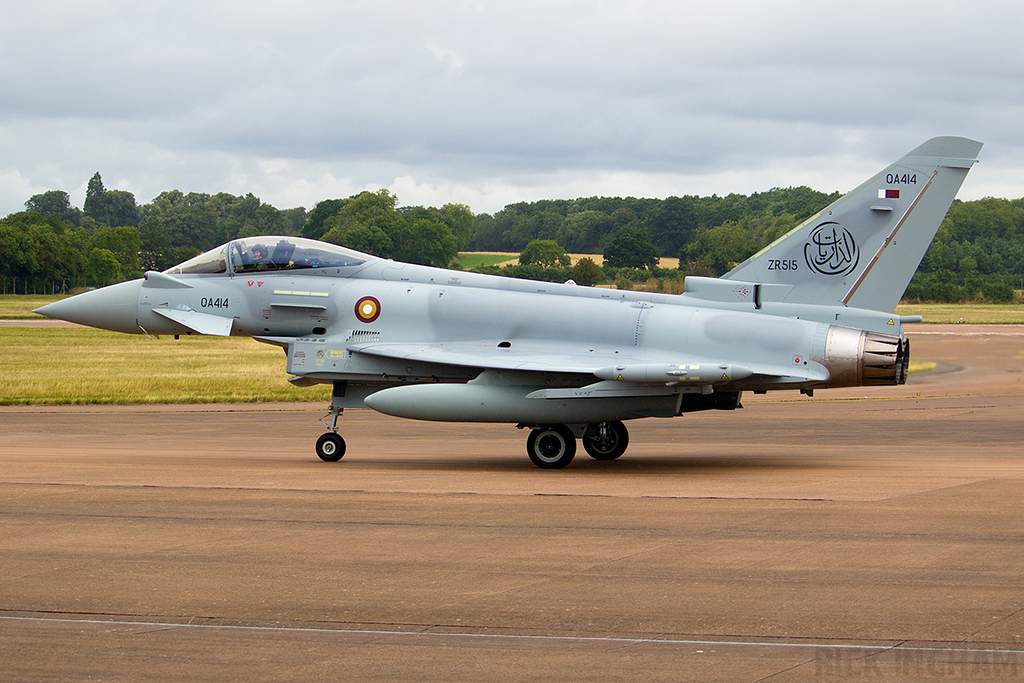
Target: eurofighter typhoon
[[813, 310]]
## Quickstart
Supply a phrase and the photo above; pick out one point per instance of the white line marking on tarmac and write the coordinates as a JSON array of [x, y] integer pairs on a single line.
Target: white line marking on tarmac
[[498, 636]]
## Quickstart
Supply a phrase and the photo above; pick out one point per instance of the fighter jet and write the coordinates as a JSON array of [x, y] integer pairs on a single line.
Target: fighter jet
[[813, 310]]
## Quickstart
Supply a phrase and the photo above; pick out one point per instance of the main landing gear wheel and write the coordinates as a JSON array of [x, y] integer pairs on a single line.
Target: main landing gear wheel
[[606, 441], [330, 447], [552, 447]]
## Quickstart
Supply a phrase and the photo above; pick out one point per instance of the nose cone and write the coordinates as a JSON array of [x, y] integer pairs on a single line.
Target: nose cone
[[110, 308]]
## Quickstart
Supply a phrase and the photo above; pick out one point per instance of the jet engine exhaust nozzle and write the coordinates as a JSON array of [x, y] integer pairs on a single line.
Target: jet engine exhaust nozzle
[[860, 358]]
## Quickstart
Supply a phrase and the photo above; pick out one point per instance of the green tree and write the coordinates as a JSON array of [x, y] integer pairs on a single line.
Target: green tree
[[41, 251], [486, 233], [630, 247], [368, 239], [366, 213], [459, 219], [18, 254], [294, 220], [430, 244], [110, 207], [721, 246], [314, 227], [123, 242], [998, 290], [624, 217], [672, 224], [55, 203], [121, 208], [102, 267], [586, 272], [189, 220], [155, 247], [545, 253], [95, 200], [583, 231]]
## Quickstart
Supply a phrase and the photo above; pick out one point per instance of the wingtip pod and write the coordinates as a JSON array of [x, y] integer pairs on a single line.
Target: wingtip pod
[[862, 250]]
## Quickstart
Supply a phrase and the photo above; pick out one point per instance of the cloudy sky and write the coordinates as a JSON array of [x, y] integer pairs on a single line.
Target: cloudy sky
[[489, 103]]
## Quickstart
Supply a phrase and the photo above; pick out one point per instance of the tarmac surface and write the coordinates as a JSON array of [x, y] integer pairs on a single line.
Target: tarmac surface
[[863, 534]]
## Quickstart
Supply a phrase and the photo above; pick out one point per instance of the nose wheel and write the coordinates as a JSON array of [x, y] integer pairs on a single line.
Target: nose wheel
[[330, 447]]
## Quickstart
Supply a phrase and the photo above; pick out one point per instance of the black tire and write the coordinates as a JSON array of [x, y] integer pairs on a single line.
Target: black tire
[[551, 448], [607, 446], [330, 447]]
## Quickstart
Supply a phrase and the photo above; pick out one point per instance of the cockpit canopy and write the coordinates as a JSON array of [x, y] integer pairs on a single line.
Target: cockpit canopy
[[254, 254]]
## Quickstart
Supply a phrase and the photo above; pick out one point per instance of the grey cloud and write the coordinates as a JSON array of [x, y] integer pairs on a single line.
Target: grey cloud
[[472, 94]]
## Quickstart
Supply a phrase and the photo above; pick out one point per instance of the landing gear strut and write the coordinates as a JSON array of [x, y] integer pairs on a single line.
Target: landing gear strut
[[605, 440]]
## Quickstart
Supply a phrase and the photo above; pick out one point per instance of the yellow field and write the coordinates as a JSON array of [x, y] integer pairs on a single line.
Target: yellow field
[[1005, 314], [512, 258]]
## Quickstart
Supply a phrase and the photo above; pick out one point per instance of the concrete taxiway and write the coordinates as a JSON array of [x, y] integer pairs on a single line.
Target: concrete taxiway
[[864, 534]]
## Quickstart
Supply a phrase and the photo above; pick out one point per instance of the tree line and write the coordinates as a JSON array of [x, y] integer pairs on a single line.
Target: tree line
[[977, 254]]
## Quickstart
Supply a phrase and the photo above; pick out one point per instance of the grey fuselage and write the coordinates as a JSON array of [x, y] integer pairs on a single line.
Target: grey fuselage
[[380, 324]]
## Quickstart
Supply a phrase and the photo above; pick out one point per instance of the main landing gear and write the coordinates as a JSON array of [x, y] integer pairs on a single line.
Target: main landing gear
[[552, 447]]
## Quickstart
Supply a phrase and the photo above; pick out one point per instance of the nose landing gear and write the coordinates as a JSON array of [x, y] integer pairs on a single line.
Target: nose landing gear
[[330, 447]]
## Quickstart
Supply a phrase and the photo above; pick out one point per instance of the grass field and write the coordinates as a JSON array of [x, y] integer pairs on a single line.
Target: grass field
[[20, 306], [61, 365], [1004, 314], [471, 260]]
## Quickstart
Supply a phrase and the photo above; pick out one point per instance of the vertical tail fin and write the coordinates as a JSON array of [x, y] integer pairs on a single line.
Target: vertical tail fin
[[863, 249]]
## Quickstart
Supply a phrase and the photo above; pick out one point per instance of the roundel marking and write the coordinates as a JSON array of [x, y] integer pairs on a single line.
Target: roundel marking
[[368, 309]]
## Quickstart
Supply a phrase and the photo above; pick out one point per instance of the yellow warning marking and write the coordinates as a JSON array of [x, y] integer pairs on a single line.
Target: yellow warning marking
[[725, 376], [297, 293], [890, 322], [620, 378]]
